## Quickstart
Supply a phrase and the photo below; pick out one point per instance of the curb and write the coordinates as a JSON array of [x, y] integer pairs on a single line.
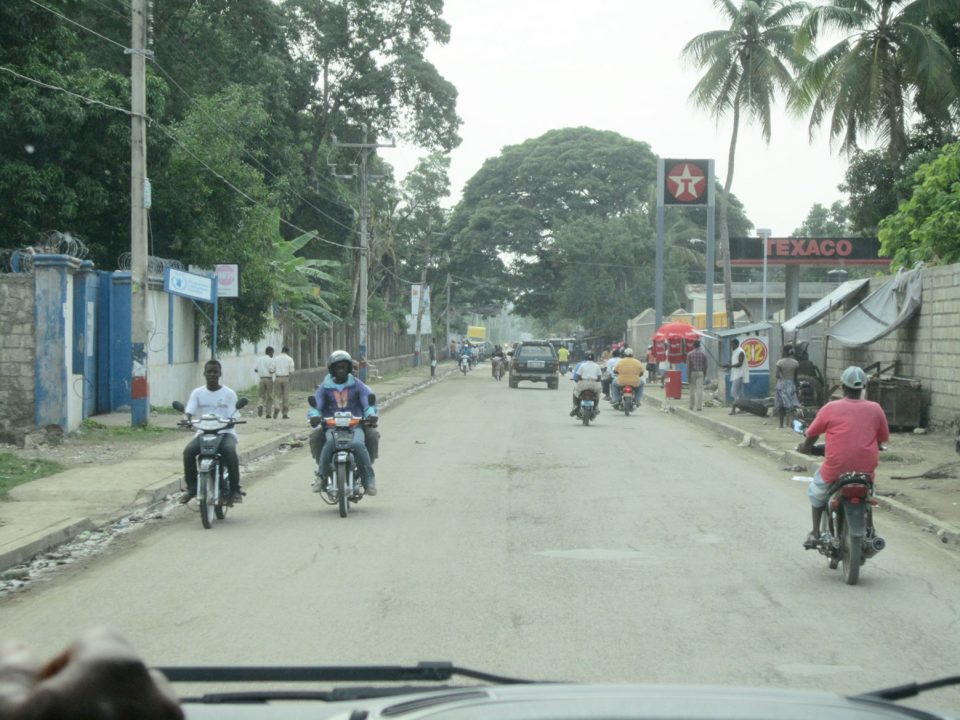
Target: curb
[[946, 532], [152, 495]]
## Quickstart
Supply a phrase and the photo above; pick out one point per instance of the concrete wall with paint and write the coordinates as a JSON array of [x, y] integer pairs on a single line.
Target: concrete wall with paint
[[16, 356]]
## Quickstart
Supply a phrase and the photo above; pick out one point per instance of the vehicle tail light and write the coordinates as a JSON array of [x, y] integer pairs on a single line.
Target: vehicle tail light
[[855, 491]]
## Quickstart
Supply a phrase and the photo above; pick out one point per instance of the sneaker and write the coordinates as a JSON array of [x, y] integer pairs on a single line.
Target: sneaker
[[371, 488], [573, 413], [811, 542], [237, 497], [187, 496], [317, 485]]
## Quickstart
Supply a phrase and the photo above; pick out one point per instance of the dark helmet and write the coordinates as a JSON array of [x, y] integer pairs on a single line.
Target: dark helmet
[[339, 356], [589, 356]]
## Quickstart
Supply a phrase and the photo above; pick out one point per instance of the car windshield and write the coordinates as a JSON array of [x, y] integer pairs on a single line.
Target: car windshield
[[352, 203]]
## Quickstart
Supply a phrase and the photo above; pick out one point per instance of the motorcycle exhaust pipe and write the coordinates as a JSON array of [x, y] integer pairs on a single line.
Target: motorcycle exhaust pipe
[[873, 545]]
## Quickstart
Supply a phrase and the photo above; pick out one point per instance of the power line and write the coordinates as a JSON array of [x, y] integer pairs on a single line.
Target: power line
[[245, 151], [237, 190], [82, 27], [111, 9], [64, 90]]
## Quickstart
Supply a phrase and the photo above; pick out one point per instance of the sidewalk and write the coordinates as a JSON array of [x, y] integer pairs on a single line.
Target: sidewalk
[[44, 513], [47, 512], [933, 502]]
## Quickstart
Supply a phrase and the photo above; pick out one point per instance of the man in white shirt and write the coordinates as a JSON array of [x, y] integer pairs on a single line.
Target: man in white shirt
[[739, 372], [587, 376], [213, 399], [284, 366], [265, 370]]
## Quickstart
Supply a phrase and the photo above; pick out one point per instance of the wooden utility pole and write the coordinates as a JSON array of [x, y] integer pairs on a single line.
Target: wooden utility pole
[[139, 201]]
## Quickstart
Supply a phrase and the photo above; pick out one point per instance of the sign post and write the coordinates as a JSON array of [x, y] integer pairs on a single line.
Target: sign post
[[195, 287]]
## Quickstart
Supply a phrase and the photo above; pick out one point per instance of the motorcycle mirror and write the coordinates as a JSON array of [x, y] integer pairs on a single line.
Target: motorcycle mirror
[[799, 427], [312, 400], [242, 403], [178, 406], [372, 400]]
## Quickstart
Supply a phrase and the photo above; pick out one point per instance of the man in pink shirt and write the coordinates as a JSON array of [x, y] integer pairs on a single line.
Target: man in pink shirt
[[855, 431]]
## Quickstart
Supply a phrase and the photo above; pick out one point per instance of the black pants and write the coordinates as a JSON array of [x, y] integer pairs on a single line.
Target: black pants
[[228, 452], [371, 438]]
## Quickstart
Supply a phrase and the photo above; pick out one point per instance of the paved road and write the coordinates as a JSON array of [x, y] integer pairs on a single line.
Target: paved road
[[509, 538]]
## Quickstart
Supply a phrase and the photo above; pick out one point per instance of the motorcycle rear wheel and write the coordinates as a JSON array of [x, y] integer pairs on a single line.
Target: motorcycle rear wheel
[[627, 406], [206, 490], [342, 499], [851, 551]]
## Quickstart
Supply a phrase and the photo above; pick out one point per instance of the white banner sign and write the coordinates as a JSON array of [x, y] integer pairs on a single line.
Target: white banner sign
[[415, 299], [425, 327], [228, 278], [191, 285]]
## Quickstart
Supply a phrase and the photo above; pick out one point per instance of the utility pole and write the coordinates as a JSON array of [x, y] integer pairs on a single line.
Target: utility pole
[[447, 313], [365, 148], [139, 202]]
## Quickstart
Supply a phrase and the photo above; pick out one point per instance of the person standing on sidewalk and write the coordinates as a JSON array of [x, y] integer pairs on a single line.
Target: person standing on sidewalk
[[786, 401], [433, 357], [739, 373], [284, 366], [265, 370], [697, 367]]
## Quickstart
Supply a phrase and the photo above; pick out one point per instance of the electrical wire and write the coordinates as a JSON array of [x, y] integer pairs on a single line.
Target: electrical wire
[[111, 9], [74, 22], [247, 152], [68, 92]]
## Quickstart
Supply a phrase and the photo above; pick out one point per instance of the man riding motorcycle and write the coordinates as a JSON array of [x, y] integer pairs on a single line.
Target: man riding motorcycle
[[855, 430], [498, 356], [216, 399], [341, 391], [629, 371], [587, 376]]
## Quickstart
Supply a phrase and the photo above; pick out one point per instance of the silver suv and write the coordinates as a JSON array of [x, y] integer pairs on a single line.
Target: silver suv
[[536, 361]]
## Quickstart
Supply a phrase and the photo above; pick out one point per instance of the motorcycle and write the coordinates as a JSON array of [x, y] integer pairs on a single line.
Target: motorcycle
[[587, 410], [498, 365], [343, 486], [213, 478], [847, 535], [626, 400], [464, 364]]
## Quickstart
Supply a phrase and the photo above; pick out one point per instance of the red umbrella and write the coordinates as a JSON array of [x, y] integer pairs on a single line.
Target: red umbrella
[[670, 342]]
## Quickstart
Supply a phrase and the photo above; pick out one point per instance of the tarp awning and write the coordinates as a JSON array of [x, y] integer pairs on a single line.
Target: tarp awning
[[824, 305], [881, 312]]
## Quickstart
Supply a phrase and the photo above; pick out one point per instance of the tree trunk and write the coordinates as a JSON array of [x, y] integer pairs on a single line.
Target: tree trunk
[[724, 228]]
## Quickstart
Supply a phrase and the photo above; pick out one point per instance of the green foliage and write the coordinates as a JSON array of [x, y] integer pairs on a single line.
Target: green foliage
[[16, 471], [825, 222], [927, 226]]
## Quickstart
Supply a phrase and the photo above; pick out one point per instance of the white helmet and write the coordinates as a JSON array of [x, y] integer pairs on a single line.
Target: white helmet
[[338, 356], [627, 352]]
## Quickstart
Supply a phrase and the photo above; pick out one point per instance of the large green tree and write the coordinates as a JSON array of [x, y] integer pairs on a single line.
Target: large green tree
[[927, 226], [747, 65], [889, 59]]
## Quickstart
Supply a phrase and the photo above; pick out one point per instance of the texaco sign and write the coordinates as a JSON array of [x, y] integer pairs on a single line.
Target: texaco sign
[[685, 182]]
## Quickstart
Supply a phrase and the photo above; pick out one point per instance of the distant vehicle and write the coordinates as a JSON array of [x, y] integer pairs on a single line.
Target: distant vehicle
[[535, 361]]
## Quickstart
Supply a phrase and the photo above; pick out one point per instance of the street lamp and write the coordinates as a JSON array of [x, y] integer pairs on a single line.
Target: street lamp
[[764, 234]]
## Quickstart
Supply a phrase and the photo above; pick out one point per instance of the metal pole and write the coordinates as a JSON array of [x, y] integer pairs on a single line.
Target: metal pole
[[658, 271], [447, 313], [139, 385], [362, 321], [764, 234], [711, 242]]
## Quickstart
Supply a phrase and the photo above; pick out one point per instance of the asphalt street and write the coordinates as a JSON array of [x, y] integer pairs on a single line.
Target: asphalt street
[[508, 537]]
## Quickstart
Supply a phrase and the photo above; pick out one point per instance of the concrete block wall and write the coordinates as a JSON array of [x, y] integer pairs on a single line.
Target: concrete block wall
[[16, 356], [927, 347]]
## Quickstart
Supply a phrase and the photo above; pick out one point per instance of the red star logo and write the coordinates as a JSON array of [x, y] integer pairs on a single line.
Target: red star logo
[[686, 182]]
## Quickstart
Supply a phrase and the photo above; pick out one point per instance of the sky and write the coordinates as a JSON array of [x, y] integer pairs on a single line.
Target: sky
[[523, 67]]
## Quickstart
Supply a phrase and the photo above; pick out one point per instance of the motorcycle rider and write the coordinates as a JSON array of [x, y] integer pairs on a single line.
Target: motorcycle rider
[[563, 357], [466, 351], [586, 375], [215, 399], [629, 371], [340, 390], [855, 430], [608, 372]]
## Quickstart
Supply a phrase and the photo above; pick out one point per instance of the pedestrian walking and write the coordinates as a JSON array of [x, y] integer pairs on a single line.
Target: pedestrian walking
[[651, 364], [281, 384], [265, 370], [433, 357], [786, 401], [697, 369]]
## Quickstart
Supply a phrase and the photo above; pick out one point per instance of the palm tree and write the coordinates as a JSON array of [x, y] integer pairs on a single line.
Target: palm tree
[[889, 59], [746, 65]]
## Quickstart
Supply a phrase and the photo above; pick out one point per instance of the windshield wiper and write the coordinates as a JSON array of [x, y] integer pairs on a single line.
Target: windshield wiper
[[421, 672], [336, 695], [900, 692]]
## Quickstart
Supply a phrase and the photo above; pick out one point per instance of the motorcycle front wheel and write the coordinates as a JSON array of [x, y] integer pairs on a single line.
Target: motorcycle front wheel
[[206, 492], [342, 500], [851, 551], [586, 418]]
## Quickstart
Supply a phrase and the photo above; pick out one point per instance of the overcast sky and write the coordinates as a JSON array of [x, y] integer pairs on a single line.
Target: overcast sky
[[523, 67]]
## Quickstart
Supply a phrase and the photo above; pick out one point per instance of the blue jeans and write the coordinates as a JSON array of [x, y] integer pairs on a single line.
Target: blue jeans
[[359, 452]]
